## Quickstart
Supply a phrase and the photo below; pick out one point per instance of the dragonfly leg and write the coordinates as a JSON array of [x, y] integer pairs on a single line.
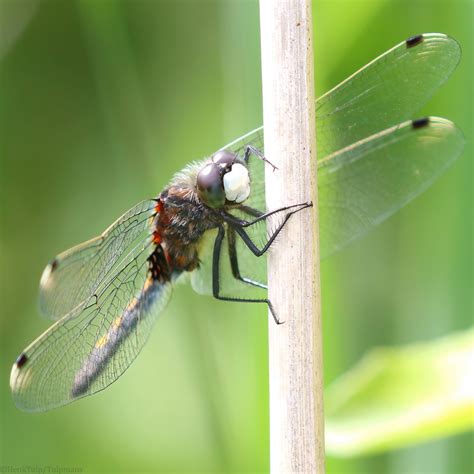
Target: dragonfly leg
[[234, 263], [240, 229], [251, 150], [251, 211], [260, 216], [216, 279]]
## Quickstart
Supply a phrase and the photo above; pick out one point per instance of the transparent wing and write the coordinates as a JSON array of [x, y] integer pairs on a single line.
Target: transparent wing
[[359, 187], [365, 183], [90, 347], [388, 90], [74, 275]]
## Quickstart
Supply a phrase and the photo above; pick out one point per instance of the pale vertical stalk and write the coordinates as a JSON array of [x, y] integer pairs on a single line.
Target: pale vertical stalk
[[295, 350]]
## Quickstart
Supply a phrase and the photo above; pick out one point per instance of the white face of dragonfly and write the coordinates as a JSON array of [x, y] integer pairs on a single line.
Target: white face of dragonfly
[[237, 183]]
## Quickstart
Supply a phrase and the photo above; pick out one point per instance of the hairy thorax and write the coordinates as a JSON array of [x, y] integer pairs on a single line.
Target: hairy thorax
[[181, 222]]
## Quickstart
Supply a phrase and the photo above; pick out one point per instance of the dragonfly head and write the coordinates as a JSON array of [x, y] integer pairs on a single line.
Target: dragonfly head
[[224, 180]]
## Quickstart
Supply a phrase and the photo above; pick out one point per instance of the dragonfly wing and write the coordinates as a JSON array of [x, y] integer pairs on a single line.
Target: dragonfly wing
[[390, 89], [74, 275], [89, 348], [363, 184]]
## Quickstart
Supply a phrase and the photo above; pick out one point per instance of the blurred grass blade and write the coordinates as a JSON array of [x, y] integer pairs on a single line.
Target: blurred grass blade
[[399, 396], [14, 18], [121, 94]]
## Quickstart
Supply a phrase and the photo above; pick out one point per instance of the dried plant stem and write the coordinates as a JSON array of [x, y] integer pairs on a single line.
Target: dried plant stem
[[296, 380]]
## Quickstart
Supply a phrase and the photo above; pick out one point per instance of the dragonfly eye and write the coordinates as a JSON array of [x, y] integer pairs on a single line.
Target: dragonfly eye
[[224, 157], [210, 187]]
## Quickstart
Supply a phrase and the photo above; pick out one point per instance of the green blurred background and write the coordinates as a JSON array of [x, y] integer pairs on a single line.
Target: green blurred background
[[100, 103]]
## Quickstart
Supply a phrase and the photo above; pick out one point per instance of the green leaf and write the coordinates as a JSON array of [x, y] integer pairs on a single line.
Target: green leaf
[[396, 397]]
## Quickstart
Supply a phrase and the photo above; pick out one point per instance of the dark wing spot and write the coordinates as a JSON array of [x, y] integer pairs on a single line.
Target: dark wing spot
[[414, 41], [22, 360], [54, 264], [420, 123]]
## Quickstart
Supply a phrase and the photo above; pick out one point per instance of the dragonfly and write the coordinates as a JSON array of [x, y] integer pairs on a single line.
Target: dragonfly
[[210, 225]]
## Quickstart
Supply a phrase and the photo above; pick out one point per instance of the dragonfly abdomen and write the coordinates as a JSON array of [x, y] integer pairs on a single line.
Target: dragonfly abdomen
[[121, 328], [123, 325]]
